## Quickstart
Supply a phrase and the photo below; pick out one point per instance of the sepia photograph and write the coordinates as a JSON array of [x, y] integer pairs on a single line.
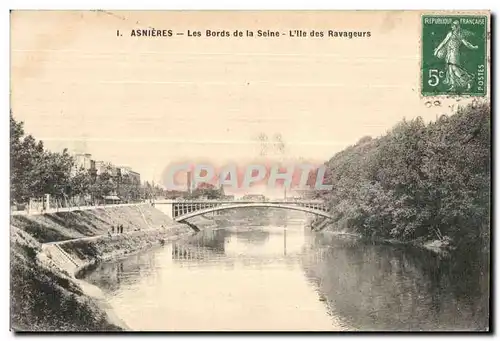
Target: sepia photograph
[[250, 171]]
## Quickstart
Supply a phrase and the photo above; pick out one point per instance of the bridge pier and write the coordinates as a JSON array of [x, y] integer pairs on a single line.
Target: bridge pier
[[167, 208], [320, 226], [193, 226]]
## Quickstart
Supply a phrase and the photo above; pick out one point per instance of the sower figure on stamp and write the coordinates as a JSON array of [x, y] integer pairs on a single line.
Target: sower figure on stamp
[[449, 50]]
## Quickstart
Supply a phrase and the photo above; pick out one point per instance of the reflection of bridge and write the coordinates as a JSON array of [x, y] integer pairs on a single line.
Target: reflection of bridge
[[180, 211], [193, 252]]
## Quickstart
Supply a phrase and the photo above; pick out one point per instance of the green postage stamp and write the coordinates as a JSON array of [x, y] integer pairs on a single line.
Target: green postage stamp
[[454, 49]]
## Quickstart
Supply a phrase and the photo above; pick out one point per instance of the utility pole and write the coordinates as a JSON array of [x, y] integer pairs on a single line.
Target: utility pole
[[284, 239], [189, 187], [154, 192], [118, 180]]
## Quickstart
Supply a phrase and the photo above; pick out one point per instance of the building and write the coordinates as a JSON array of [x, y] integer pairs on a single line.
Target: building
[[254, 197], [99, 167], [123, 170], [112, 199], [106, 167], [175, 194], [136, 177], [307, 194], [83, 162]]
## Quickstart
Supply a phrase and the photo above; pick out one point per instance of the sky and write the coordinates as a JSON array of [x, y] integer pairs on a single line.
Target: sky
[[147, 102]]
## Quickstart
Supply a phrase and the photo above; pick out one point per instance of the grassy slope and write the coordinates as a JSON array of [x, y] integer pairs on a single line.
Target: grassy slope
[[69, 225], [88, 250], [44, 298]]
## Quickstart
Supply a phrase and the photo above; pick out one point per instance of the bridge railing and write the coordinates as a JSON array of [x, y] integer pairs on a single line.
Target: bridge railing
[[236, 201], [73, 208]]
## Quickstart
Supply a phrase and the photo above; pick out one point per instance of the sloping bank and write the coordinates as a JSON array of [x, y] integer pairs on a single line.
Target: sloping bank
[[325, 226], [422, 183], [47, 252]]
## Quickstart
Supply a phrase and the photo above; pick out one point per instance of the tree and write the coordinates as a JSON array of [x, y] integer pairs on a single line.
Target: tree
[[56, 174], [418, 181], [27, 158], [81, 183], [206, 190], [104, 185], [36, 172]]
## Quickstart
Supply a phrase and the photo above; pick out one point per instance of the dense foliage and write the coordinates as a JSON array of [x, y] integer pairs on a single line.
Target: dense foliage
[[206, 190], [36, 171], [419, 181]]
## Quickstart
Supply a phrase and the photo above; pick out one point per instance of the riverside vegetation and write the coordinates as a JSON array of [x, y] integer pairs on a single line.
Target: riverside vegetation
[[46, 297], [36, 171], [419, 182]]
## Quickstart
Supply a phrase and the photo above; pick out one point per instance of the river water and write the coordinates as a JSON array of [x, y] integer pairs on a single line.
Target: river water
[[284, 277]]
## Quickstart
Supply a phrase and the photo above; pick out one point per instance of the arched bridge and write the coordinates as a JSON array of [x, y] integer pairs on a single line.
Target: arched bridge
[[181, 211]]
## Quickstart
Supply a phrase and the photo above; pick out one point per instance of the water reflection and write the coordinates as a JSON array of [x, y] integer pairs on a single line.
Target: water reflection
[[271, 277], [127, 271], [206, 246], [380, 287], [254, 236]]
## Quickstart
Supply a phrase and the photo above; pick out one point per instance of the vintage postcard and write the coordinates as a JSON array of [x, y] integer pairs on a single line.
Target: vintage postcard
[[250, 171]]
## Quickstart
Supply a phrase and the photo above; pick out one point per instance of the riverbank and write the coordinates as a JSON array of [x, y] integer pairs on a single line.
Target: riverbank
[[49, 251], [88, 252], [441, 247], [428, 182]]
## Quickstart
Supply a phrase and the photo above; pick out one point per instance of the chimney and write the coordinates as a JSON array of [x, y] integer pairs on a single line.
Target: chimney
[[189, 181]]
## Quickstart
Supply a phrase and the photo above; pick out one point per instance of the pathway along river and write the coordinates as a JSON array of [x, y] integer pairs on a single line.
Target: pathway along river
[[284, 277]]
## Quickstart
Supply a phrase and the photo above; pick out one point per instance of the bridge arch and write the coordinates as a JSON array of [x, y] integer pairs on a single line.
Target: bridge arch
[[290, 206]]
